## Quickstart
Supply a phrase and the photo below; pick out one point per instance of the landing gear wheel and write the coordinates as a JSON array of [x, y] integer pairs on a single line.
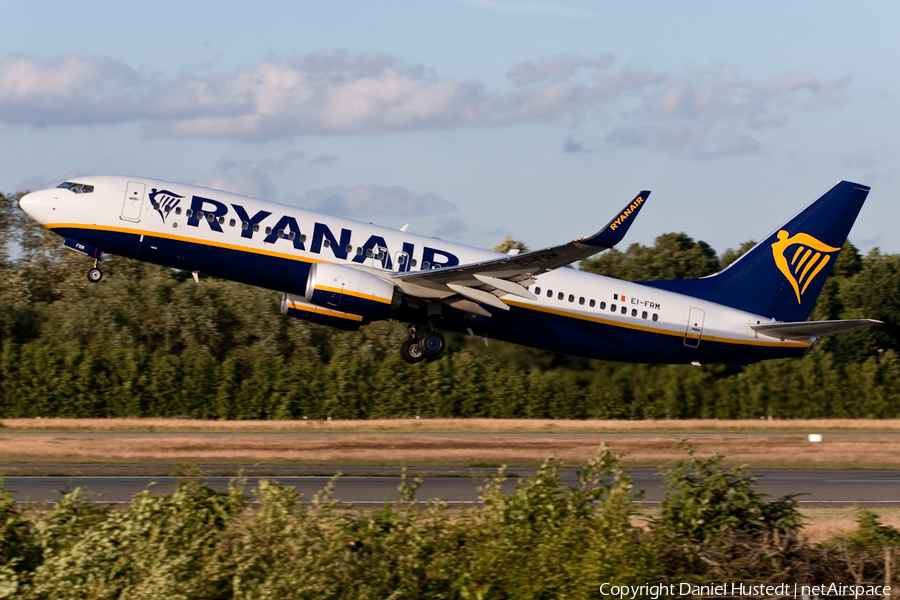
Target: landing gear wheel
[[411, 352], [432, 344], [95, 275]]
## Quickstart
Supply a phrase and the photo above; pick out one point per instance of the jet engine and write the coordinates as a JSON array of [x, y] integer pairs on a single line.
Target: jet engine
[[350, 290], [299, 308]]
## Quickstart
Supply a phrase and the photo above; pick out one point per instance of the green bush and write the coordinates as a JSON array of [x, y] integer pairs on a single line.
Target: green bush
[[545, 540]]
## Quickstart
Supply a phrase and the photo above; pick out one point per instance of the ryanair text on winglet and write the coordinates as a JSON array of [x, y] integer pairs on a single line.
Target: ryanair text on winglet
[[627, 212]]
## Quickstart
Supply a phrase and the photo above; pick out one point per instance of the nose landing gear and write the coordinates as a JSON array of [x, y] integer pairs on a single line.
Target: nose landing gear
[[95, 274], [415, 349]]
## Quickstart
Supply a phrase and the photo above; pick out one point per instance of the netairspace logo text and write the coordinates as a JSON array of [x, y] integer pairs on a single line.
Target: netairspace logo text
[[741, 590]]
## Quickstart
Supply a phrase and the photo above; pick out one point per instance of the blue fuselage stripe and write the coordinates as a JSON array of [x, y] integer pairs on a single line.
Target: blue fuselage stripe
[[563, 333]]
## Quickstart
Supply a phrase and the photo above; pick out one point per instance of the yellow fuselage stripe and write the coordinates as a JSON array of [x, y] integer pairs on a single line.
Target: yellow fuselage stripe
[[657, 330], [543, 309], [190, 240]]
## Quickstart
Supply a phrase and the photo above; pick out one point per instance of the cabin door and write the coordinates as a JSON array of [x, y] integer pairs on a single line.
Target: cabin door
[[134, 201], [694, 330]]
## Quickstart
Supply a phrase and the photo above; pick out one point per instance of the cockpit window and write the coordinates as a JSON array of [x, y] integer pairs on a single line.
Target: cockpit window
[[78, 188]]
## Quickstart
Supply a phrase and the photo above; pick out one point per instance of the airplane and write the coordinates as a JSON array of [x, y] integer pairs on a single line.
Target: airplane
[[347, 274]]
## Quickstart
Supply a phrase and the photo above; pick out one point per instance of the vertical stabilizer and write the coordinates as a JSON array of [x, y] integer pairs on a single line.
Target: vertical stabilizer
[[781, 276]]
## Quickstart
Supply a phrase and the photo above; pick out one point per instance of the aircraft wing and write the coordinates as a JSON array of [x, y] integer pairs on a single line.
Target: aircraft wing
[[805, 329], [483, 282]]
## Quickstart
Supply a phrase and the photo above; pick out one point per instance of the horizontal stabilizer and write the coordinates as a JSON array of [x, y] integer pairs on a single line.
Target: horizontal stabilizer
[[805, 329]]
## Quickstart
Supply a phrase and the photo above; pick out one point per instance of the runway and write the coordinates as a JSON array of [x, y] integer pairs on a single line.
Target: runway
[[455, 486]]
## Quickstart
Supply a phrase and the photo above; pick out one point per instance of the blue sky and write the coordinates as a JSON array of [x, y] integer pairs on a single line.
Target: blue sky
[[469, 119]]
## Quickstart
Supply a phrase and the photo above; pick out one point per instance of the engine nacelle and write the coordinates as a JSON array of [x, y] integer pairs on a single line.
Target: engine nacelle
[[349, 290], [299, 308]]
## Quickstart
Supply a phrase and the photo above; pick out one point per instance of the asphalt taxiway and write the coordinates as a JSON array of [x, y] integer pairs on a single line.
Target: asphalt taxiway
[[357, 485]]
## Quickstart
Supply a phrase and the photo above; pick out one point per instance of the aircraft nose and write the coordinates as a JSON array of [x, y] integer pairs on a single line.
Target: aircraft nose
[[35, 204]]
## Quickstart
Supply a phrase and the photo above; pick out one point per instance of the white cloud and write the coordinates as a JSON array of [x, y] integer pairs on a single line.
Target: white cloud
[[69, 89], [320, 94], [252, 177], [375, 200], [248, 182], [699, 112], [714, 112], [450, 228]]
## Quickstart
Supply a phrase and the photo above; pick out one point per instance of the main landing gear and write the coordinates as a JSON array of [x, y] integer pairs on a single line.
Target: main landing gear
[[416, 349], [95, 274]]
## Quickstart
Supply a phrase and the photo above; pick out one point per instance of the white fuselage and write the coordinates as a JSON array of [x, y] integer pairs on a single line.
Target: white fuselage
[[157, 221]]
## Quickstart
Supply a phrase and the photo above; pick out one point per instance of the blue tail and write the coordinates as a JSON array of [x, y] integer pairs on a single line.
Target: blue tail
[[781, 277]]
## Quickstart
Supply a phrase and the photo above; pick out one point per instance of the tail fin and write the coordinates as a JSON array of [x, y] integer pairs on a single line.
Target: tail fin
[[781, 276]]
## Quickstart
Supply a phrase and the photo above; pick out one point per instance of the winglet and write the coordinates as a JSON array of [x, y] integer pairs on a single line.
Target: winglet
[[613, 232]]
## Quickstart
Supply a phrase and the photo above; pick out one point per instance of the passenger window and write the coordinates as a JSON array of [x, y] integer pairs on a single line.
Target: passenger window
[[581, 301], [644, 315], [571, 298], [349, 249], [292, 236], [549, 293], [231, 223], [359, 250], [426, 265], [624, 310], [199, 214], [560, 295], [537, 291], [370, 254], [655, 317], [222, 220], [401, 260], [210, 217], [178, 210], [633, 312], [412, 263], [245, 225], [302, 238], [612, 307], [326, 243], [602, 305], [256, 227], [189, 213], [280, 233], [593, 303], [268, 230]]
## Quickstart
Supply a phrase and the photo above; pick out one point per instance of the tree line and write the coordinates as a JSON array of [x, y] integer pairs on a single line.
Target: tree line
[[149, 341]]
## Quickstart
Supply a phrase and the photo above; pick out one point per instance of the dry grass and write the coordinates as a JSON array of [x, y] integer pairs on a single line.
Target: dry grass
[[436, 450], [819, 523], [459, 426], [822, 523]]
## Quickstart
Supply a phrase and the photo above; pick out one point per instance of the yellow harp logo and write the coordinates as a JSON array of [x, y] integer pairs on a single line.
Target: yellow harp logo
[[805, 262]]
